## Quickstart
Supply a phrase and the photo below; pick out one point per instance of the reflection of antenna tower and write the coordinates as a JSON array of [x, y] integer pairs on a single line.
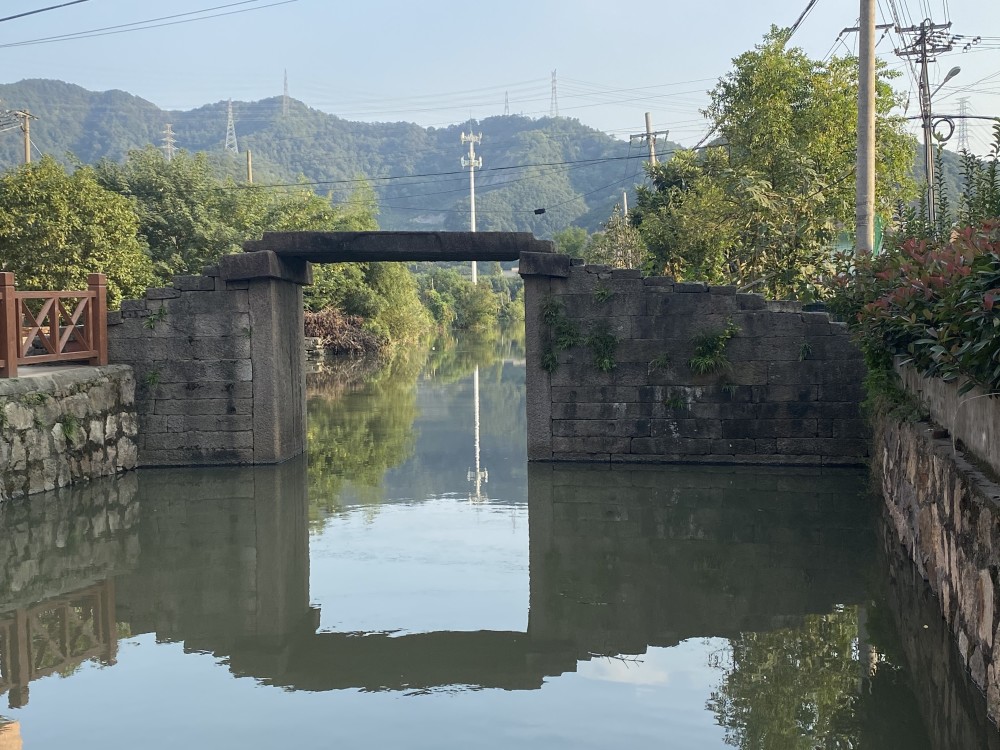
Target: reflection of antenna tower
[[480, 475], [169, 144], [284, 98], [963, 124], [554, 104], [231, 131]]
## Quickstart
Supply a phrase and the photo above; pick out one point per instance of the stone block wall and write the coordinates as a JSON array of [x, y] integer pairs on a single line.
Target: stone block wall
[[789, 394], [196, 347], [66, 426], [946, 514]]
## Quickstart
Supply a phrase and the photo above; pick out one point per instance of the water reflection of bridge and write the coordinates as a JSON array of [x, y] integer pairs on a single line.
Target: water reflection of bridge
[[729, 551]]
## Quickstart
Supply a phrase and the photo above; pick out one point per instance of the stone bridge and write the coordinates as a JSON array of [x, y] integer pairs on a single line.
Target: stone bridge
[[619, 368]]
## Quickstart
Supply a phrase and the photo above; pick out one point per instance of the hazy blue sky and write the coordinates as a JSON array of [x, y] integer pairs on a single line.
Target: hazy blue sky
[[437, 63]]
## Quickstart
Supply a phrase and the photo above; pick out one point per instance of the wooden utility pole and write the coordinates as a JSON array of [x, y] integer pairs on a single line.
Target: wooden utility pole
[[26, 128], [250, 166], [865, 172]]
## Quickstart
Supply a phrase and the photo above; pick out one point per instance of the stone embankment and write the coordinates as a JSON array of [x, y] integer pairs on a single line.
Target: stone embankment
[[65, 426], [945, 509]]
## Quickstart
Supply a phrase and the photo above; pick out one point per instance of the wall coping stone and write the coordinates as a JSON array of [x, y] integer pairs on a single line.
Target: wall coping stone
[[972, 418], [57, 379]]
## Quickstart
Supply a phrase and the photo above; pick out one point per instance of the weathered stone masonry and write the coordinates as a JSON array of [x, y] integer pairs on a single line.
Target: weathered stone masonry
[[946, 514], [64, 427], [791, 395], [195, 347]]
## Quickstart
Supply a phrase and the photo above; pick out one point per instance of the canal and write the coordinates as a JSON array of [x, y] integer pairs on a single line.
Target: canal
[[412, 582]]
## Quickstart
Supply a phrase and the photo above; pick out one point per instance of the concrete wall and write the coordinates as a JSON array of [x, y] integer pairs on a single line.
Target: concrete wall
[[218, 363], [65, 426], [945, 513], [791, 395]]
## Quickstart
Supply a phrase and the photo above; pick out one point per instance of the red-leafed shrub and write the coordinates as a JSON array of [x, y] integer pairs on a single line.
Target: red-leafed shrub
[[343, 334]]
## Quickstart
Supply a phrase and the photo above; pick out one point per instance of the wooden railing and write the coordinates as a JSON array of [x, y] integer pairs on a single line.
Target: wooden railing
[[40, 327]]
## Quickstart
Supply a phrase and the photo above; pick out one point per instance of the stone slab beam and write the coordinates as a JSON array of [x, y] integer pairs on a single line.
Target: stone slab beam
[[361, 247], [264, 264]]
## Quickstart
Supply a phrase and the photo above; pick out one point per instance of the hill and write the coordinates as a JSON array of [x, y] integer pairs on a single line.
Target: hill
[[579, 172]]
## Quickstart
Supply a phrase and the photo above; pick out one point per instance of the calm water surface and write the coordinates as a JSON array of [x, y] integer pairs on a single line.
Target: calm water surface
[[378, 595]]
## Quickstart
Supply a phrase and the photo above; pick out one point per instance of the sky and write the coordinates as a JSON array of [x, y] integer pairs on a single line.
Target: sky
[[441, 63]]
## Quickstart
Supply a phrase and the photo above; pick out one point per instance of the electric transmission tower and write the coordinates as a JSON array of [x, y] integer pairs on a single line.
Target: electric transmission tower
[[231, 145], [284, 97], [169, 143], [472, 162], [554, 104], [963, 124]]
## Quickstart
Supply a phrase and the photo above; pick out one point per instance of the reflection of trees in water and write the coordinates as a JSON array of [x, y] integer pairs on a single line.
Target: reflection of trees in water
[[791, 689], [360, 425], [361, 412]]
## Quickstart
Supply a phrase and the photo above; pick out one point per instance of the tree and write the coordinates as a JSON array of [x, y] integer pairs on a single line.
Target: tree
[[56, 227], [571, 241], [763, 207], [619, 245]]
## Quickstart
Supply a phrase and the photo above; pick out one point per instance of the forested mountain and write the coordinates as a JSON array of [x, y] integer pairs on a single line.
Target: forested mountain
[[579, 172]]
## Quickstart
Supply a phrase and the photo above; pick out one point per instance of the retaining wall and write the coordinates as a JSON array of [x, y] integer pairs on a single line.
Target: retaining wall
[[945, 513], [790, 394], [65, 426]]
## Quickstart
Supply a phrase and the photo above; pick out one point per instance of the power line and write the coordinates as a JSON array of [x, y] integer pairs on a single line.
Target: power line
[[147, 24], [800, 19], [41, 10]]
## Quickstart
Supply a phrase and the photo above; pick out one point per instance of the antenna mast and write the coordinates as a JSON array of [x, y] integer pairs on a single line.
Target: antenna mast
[[472, 162]]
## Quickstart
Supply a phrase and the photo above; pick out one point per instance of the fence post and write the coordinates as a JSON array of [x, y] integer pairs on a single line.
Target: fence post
[[10, 327], [98, 283]]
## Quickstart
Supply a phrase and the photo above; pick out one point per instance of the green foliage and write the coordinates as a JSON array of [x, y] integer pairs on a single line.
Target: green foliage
[[932, 303], [805, 351], [660, 361], [560, 333], [152, 379], [455, 302], [70, 426], [603, 293], [763, 210], [710, 351], [602, 344], [619, 244], [57, 227], [155, 317], [571, 241], [675, 402], [792, 688]]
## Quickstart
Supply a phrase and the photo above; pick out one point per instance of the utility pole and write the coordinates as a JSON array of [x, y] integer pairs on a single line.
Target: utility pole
[[650, 137], [473, 163], [865, 172], [250, 166], [929, 40], [625, 202], [26, 129], [169, 144], [506, 103], [231, 145]]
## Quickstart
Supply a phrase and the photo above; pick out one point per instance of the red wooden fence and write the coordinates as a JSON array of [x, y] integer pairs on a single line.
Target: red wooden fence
[[39, 327]]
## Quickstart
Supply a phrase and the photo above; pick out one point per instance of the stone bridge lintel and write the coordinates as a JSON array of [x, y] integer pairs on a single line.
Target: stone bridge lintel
[[359, 247]]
